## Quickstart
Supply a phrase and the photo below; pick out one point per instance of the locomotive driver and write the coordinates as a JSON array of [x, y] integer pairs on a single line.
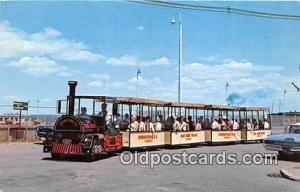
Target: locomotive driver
[[103, 114]]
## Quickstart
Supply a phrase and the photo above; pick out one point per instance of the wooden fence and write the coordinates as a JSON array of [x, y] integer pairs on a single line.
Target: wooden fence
[[13, 134]]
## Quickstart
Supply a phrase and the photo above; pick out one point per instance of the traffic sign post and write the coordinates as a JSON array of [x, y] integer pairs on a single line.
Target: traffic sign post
[[20, 106]]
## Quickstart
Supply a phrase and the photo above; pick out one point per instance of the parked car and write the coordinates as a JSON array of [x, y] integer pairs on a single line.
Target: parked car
[[43, 131], [287, 143]]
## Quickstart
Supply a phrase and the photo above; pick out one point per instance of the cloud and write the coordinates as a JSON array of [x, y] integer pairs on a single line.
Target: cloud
[[95, 84], [227, 70], [140, 28], [47, 47], [39, 66], [50, 32], [130, 60], [250, 84], [98, 80], [101, 76]]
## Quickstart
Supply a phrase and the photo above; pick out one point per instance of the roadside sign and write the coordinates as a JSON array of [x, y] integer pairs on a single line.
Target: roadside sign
[[20, 105]]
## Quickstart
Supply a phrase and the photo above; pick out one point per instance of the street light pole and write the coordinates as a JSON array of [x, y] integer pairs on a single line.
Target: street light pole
[[137, 81], [180, 54]]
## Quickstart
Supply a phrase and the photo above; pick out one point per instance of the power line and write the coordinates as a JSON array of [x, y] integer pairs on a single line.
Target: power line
[[219, 9]]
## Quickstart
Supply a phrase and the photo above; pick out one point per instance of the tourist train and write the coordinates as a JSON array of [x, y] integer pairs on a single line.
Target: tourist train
[[94, 125]]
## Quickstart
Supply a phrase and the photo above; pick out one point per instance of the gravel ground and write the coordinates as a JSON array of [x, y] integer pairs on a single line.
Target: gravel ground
[[23, 167]]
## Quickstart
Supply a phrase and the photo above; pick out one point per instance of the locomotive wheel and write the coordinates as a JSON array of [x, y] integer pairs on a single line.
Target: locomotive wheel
[[55, 156], [91, 157], [282, 155]]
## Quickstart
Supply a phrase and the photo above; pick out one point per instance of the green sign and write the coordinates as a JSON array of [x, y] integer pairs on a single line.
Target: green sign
[[20, 105]]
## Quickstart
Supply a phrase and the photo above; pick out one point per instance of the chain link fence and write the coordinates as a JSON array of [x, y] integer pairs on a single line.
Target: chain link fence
[[282, 120]]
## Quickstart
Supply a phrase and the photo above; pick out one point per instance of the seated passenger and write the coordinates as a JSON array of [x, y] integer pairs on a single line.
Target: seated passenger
[[158, 126], [248, 125], [141, 121], [176, 125], [169, 123], [191, 124], [83, 111], [148, 125], [134, 125], [124, 124], [126, 118], [266, 124], [183, 124], [222, 124], [255, 124], [243, 124], [215, 125], [208, 123], [117, 121], [235, 124], [198, 126], [260, 124], [230, 123]]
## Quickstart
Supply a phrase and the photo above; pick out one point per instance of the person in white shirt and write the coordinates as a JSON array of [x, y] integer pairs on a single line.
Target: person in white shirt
[[215, 125], [176, 125], [266, 124], [142, 124], [158, 126], [235, 125], [183, 125], [248, 125]]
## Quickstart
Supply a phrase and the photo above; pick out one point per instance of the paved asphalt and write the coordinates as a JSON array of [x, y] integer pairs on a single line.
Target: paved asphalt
[[24, 168]]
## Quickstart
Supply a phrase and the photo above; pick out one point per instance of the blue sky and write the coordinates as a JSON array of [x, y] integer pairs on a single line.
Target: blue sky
[[101, 45]]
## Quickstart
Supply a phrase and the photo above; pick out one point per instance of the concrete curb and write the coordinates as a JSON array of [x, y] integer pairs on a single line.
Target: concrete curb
[[291, 173]]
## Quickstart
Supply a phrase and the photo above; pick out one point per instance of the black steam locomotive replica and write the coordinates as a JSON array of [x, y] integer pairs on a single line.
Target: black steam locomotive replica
[[82, 134]]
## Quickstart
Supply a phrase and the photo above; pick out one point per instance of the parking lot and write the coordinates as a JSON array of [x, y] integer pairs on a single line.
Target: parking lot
[[23, 167]]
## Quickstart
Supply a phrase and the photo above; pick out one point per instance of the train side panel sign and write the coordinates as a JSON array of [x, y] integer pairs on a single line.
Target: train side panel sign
[[20, 105]]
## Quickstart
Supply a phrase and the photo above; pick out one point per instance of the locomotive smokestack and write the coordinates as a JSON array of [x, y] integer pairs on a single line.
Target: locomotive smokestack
[[71, 98]]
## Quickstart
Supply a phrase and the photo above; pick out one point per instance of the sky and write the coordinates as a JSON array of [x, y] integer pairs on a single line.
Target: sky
[[102, 44]]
